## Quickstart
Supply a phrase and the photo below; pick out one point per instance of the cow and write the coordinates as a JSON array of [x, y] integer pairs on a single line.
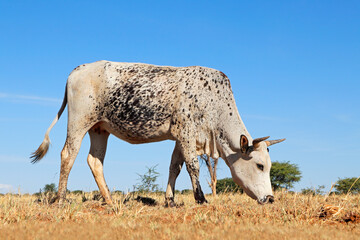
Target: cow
[[142, 103]]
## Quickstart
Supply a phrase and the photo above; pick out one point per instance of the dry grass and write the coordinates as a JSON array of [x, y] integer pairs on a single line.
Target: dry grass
[[227, 216]]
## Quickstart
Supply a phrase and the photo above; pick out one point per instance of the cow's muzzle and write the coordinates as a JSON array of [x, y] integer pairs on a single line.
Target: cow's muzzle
[[267, 199]]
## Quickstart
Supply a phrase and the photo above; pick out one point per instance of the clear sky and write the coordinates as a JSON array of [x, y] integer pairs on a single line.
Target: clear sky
[[294, 67]]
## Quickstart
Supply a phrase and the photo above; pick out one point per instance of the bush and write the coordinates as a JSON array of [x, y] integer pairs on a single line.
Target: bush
[[50, 188], [227, 185], [148, 181], [313, 191], [186, 191], [77, 192], [118, 192], [344, 185]]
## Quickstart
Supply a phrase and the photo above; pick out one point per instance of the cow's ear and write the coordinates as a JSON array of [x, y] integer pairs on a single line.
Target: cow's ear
[[244, 143]]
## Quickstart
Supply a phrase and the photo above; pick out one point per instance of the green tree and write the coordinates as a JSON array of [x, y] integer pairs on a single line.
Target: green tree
[[313, 191], [50, 188], [148, 181], [227, 185], [346, 185], [284, 175]]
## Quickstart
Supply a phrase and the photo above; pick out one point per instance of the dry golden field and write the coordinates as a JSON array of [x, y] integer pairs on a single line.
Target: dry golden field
[[227, 216]]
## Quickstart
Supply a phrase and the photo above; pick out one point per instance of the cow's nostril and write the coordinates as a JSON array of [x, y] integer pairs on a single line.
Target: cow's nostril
[[266, 199], [270, 198]]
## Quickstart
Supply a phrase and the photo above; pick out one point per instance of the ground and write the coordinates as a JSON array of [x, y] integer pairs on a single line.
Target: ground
[[227, 216]]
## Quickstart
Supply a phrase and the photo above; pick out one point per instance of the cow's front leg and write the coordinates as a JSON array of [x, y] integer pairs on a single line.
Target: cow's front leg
[[193, 169], [177, 160], [192, 166]]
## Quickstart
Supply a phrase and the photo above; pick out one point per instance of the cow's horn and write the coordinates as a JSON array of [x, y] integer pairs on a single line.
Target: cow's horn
[[271, 142], [256, 141]]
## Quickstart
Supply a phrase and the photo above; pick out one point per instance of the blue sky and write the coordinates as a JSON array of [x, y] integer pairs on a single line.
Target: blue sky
[[294, 67]]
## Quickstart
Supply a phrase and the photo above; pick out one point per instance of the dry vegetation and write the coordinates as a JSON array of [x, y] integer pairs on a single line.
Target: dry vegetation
[[228, 216]]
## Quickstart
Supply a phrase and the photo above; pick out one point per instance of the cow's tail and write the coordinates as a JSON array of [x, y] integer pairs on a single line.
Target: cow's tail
[[44, 147]]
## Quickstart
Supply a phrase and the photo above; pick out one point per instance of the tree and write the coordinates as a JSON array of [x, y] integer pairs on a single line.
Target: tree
[[211, 164], [345, 185], [284, 175], [227, 185], [313, 191], [148, 181], [50, 188]]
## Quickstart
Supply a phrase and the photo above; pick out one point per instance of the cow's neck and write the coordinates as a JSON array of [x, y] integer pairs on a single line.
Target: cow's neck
[[229, 143]]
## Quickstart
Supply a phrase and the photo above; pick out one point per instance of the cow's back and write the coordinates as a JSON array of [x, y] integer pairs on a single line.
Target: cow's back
[[144, 103]]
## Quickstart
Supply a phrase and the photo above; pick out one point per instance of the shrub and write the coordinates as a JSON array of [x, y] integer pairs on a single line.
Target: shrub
[[186, 191], [313, 191], [50, 188], [77, 192], [148, 181], [227, 185], [346, 185]]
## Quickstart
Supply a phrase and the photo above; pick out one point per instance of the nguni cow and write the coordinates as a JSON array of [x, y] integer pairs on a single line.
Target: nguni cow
[[142, 103]]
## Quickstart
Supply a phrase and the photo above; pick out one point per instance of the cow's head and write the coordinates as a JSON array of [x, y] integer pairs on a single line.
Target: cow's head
[[250, 168]]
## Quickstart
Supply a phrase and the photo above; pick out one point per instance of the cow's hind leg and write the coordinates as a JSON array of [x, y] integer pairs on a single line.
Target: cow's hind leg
[[98, 138], [177, 160], [68, 155]]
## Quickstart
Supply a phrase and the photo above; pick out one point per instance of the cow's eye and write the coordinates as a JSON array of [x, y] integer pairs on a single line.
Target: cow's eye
[[260, 166], [268, 149]]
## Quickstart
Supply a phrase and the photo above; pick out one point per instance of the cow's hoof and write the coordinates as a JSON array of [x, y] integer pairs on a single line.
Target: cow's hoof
[[60, 202], [174, 205], [170, 204], [54, 200], [201, 201]]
